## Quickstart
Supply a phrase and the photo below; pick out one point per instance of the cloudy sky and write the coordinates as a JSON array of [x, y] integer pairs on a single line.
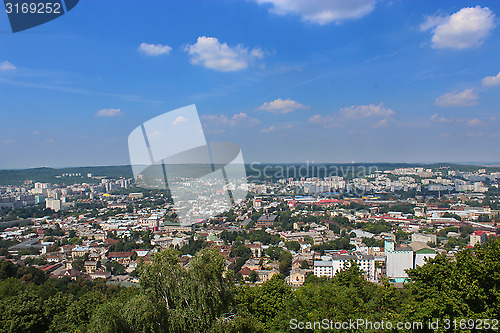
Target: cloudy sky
[[287, 80]]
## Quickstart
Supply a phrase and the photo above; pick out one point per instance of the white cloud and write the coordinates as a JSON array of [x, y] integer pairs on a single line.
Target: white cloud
[[156, 134], [268, 129], [381, 123], [282, 106], [322, 11], [491, 81], [432, 22], [6, 66], [474, 122], [7, 141], [319, 119], [366, 111], [481, 134], [179, 120], [355, 113], [154, 49], [108, 113], [464, 29], [458, 98], [239, 119], [457, 121], [209, 52], [435, 117]]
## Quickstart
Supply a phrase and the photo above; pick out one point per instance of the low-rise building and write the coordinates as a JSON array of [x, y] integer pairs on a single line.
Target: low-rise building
[[424, 238], [398, 260], [478, 237], [297, 276], [331, 264]]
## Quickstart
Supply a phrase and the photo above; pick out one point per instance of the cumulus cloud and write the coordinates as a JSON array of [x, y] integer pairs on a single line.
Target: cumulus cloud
[[356, 113], [481, 134], [366, 111], [457, 121], [179, 120], [435, 117], [322, 11], [156, 134], [458, 98], [108, 113], [325, 121], [268, 129], [381, 123], [319, 119], [7, 141], [467, 28], [491, 81], [6, 66], [282, 106], [209, 52], [474, 122], [238, 119], [154, 49]]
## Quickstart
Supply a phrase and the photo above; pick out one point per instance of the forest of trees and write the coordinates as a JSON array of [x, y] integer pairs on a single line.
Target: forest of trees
[[203, 298]]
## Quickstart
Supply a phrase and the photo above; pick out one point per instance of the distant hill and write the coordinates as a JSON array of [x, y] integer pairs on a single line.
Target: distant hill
[[49, 175], [254, 171]]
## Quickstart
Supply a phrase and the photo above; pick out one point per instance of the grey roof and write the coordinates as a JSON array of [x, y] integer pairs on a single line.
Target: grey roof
[[33, 242]]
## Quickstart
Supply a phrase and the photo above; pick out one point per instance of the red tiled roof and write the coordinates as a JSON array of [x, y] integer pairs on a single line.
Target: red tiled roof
[[245, 271], [119, 254], [48, 267]]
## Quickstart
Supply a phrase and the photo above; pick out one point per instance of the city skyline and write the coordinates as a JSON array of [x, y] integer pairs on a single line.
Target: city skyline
[[365, 81]]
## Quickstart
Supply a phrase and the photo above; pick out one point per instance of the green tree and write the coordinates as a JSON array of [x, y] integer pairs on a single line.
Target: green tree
[[273, 252], [464, 287], [285, 262], [265, 303], [293, 246], [253, 276], [188, 299]]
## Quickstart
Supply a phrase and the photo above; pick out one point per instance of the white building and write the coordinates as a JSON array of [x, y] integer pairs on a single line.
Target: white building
[[333, 263], [424, 238], [422, 255], [54, 204], [397, 261], [478, 237]]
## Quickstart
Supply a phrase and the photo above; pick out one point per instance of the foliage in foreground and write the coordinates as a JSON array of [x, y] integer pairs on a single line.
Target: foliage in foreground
[[202, 298]]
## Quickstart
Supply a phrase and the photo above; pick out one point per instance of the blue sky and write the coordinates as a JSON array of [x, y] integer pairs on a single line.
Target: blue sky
[[287, 80]]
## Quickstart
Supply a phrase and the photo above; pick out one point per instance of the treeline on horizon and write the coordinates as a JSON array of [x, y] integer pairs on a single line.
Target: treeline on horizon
[[255, 172], [204, 298]]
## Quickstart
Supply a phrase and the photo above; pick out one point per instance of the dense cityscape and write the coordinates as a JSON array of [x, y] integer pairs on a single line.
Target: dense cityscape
[[298, 230], [249, 166]]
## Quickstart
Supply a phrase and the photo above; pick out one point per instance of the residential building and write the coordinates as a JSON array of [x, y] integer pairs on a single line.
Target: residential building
[[266, 221], [398, 259], [331, 264], [478, 237]]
